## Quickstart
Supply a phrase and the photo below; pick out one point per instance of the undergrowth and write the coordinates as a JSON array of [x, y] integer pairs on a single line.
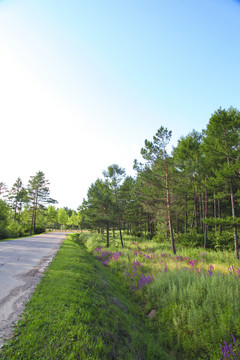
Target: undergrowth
[[194, 295]]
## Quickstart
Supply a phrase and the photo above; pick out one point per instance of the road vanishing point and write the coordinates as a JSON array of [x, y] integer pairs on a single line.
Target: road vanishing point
[[22, 264]]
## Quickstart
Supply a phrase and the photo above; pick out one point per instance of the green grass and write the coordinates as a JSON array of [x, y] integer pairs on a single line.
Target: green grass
[[195, 297], [80, 310]]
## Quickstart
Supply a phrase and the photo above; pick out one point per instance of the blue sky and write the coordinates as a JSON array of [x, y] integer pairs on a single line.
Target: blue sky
[[84, 83]]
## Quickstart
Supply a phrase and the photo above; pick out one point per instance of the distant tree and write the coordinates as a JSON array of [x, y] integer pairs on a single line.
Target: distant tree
[[115, 176], [73, 219], [99, 205], [52, 216], [68, 211], [131, 208], [155, 153], [39, 195], [81, 214], [62, 217], [17, 197]]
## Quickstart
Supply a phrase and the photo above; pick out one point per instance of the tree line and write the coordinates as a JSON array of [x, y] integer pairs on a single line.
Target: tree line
[[190, 196], [30, 210]]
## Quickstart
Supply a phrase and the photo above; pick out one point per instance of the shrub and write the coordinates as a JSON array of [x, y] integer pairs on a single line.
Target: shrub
[[3, 232], [191, 239]]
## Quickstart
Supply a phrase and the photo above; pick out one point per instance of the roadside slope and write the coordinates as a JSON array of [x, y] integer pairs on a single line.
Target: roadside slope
[[81, 311]]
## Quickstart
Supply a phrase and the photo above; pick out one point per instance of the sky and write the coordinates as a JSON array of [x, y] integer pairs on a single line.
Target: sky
[[84, 83]]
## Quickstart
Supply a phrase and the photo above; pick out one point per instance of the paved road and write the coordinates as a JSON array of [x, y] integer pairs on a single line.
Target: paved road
[[22, 263]]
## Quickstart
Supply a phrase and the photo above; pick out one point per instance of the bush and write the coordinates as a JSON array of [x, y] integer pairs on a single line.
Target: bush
[[191, 239], [221, 241], [3, 232], [39, 229]]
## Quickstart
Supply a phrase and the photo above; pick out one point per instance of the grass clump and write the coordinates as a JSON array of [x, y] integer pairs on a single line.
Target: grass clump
[[81, 311]]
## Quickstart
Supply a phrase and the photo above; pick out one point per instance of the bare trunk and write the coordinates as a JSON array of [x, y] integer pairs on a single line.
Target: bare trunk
[[195, 207], [206, 214], [215, 209], [219, 216], [149, 224], [186, 216], [234, 216], [168, 210], [107, 233], [120, 231], [233, 206], [201, 211]]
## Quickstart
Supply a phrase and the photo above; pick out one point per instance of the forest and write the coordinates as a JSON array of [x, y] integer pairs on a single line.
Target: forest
[[190, 196]]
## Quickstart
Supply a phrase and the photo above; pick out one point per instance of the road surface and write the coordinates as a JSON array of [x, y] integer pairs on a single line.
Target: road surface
[[22, 263]]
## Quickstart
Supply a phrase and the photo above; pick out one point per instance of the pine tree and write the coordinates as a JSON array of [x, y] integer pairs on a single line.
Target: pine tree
[[39, 195]]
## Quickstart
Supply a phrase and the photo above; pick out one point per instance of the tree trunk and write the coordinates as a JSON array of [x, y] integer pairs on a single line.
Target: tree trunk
[[219, 216], [201, 211], [120, 232], [195, 207], [149, 224], [107, 234], [215, 209], [233, 207], [234, 216], [206, 214], [186, 216], [168, 209]]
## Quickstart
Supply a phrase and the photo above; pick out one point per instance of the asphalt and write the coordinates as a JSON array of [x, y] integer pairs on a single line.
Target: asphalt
[[22, 264]]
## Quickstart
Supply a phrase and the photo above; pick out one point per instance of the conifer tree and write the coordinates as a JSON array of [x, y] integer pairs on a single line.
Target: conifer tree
[[38, 195], [158, 161]]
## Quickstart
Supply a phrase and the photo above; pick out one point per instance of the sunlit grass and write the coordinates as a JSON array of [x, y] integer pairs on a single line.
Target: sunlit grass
[[195, 294]]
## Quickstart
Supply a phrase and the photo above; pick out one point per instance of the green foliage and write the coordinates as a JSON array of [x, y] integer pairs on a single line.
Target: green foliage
[[52, 216], [161, 235], [15, 230], [191, 239], [62, 217], [4, 215], [222, 241], [3, 232], [194, 312], [216, 240]]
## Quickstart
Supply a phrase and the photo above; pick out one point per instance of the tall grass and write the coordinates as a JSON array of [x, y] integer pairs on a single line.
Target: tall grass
[[196, 312], [195, 295]]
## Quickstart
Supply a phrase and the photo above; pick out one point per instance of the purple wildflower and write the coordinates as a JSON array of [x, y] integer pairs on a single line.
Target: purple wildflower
[[228, 352], [144, 280]]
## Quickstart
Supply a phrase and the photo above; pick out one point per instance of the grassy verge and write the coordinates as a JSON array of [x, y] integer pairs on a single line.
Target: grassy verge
[[80, 310]]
